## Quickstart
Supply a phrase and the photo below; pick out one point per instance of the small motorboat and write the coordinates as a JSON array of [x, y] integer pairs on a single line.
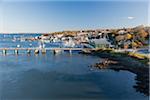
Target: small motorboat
[[18, 46]]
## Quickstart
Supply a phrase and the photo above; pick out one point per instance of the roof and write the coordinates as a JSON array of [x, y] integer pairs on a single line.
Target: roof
[[100, 41]]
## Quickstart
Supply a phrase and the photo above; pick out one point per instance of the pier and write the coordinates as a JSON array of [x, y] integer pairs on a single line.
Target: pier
[[43, 50]]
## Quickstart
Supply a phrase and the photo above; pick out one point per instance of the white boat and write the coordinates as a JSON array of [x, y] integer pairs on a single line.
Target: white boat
[[30, 44], [22, 39], [55, 39], [69, 43], [18, 46]]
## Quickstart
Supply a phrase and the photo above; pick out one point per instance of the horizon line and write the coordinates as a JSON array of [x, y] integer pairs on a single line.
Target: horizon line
[[72, 30]]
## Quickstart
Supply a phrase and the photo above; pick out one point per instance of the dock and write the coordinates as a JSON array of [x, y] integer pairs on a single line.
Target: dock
[[42, 50]]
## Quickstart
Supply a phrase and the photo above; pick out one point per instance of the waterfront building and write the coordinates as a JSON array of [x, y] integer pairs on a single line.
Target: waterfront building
[[101, 43]]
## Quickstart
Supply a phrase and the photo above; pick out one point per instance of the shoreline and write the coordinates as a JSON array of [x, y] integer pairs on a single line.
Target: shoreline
[[123, 58], [123, 61]]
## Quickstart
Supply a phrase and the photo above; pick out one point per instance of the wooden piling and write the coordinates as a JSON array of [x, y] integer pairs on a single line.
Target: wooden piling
[[43, 51], [16, 51], [70, 51], [28, 51], [4, 51], [54, 52], [36, 51]]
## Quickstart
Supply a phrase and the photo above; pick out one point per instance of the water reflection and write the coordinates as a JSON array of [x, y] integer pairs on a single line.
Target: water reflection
[[141, 82], [63, 76], [141, 79]]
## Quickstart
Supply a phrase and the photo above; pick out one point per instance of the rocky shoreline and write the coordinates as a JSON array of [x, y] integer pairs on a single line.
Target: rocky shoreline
[[121, 61]]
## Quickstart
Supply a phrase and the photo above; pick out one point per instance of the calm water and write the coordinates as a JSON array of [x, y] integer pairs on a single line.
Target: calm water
[[62, 77]]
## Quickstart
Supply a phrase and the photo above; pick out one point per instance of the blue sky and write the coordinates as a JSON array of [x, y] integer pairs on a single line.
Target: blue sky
[[50, 16]]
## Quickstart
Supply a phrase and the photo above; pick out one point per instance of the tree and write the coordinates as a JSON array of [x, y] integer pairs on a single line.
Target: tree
[[142, 33], [134, 44], [128, 36]]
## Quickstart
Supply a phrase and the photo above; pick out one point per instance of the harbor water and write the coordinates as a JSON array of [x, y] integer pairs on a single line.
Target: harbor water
[[61, 76]]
